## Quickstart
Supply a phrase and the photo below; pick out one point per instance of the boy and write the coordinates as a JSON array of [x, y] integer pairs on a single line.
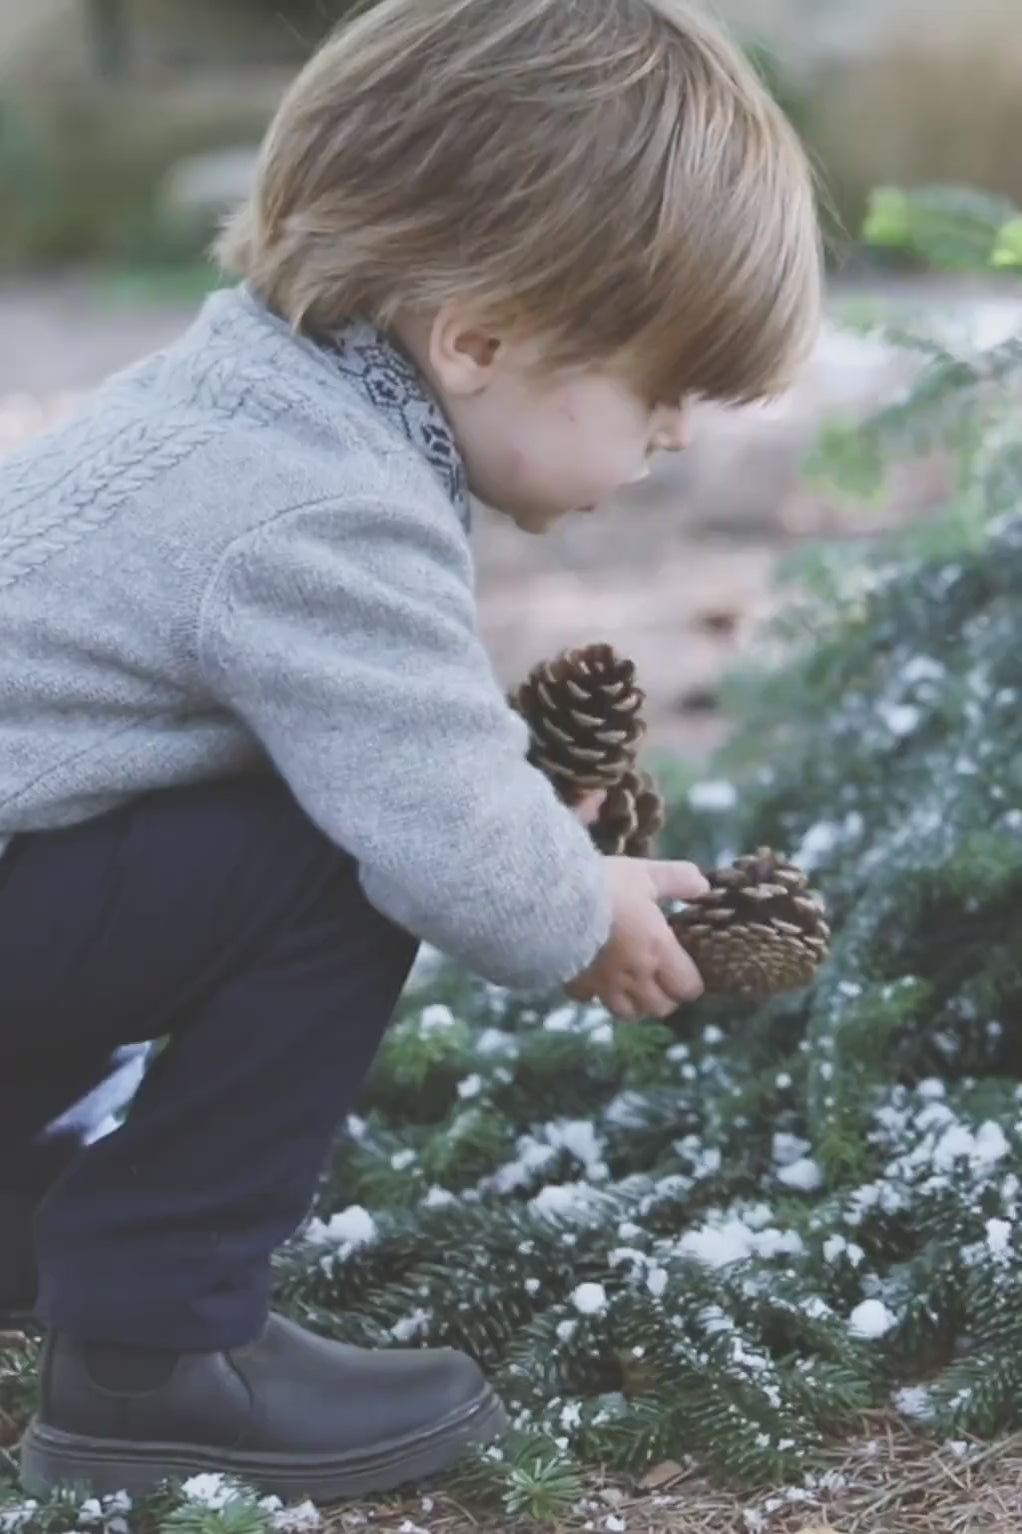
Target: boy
[[251, 749]]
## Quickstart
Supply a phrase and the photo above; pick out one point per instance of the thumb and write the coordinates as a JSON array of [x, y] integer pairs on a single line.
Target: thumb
[[677, 881]]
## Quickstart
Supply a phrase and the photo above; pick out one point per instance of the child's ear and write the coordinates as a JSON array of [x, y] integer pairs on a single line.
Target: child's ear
[[463, 354]]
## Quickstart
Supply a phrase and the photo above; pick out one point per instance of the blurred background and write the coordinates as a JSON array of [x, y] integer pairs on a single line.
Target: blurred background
[[127, 127]]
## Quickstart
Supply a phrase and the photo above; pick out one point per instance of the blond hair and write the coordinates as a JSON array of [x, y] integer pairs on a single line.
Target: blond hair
[[612, 177]]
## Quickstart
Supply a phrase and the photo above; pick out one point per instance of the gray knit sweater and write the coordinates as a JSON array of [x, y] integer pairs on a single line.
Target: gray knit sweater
[[251, 551]]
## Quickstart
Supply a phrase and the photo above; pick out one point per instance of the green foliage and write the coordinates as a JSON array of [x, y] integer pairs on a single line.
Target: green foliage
[[964, 399], [540, 1488], [951, 228], [239, 1515]]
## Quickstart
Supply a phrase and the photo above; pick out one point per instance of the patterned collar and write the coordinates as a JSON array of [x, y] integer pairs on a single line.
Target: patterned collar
[[394, 386]]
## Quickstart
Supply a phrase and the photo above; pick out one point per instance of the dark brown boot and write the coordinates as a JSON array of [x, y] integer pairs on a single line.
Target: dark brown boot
[[290, 1413]]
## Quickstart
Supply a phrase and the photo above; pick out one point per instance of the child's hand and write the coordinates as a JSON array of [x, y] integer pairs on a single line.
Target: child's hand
[[642, 971]]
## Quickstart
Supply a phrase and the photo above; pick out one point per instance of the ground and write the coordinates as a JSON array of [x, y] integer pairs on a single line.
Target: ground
[[885, 1482]]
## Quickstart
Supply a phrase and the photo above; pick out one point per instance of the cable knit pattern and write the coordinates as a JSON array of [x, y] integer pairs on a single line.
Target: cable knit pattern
[[250, 552], [51, 520]]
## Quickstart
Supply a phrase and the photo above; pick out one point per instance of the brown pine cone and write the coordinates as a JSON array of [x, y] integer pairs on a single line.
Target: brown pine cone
[[584, 712], [759, 930], [630, 818]]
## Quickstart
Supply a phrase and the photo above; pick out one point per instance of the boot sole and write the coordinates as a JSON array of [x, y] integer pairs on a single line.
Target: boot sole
[[50, 1458]]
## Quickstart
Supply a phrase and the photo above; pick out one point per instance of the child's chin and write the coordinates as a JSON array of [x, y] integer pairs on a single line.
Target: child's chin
[[535, 522]]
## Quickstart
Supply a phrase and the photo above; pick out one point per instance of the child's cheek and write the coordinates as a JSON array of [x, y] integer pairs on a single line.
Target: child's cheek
[[515, 467]]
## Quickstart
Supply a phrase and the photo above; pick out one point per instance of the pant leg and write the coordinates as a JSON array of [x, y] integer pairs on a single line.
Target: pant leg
[[50, 1118], [222, 917]]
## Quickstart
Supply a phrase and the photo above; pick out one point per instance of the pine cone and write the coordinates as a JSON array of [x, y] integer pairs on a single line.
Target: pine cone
[[583, 710], [759, 930], [630, 817]]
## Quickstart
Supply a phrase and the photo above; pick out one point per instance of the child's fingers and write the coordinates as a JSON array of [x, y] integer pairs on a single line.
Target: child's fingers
[[678, 975], [654, 1000], [677, 881]]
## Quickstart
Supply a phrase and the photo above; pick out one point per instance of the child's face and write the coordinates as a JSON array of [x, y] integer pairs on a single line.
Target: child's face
[[537, 443], [538, 450]]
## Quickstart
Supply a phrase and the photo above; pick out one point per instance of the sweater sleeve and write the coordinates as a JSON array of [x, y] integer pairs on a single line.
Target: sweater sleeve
[[345, 636]]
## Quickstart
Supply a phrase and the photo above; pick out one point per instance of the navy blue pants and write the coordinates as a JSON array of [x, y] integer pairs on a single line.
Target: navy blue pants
[[221, 917]]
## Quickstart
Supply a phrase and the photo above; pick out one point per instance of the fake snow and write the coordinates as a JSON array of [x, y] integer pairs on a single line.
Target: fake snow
[[871, 1319], [110, 1511], [562, 1020], [999, 1238], [656, 1282], [823, 837], [576, 1136], [732, 1240], [495, 1041], [982, 1149], [913, 1401], [788, 1148], [562, 1198], [14, 1518], [212, 1490], [714, 794], [589, 1299], [921, 669], [439, 1198], [470, 1087], [836, 1246], [900, 718], [293, 1520], [803, 1175], [348, 1229], [435, 1017], [411, 1327]]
